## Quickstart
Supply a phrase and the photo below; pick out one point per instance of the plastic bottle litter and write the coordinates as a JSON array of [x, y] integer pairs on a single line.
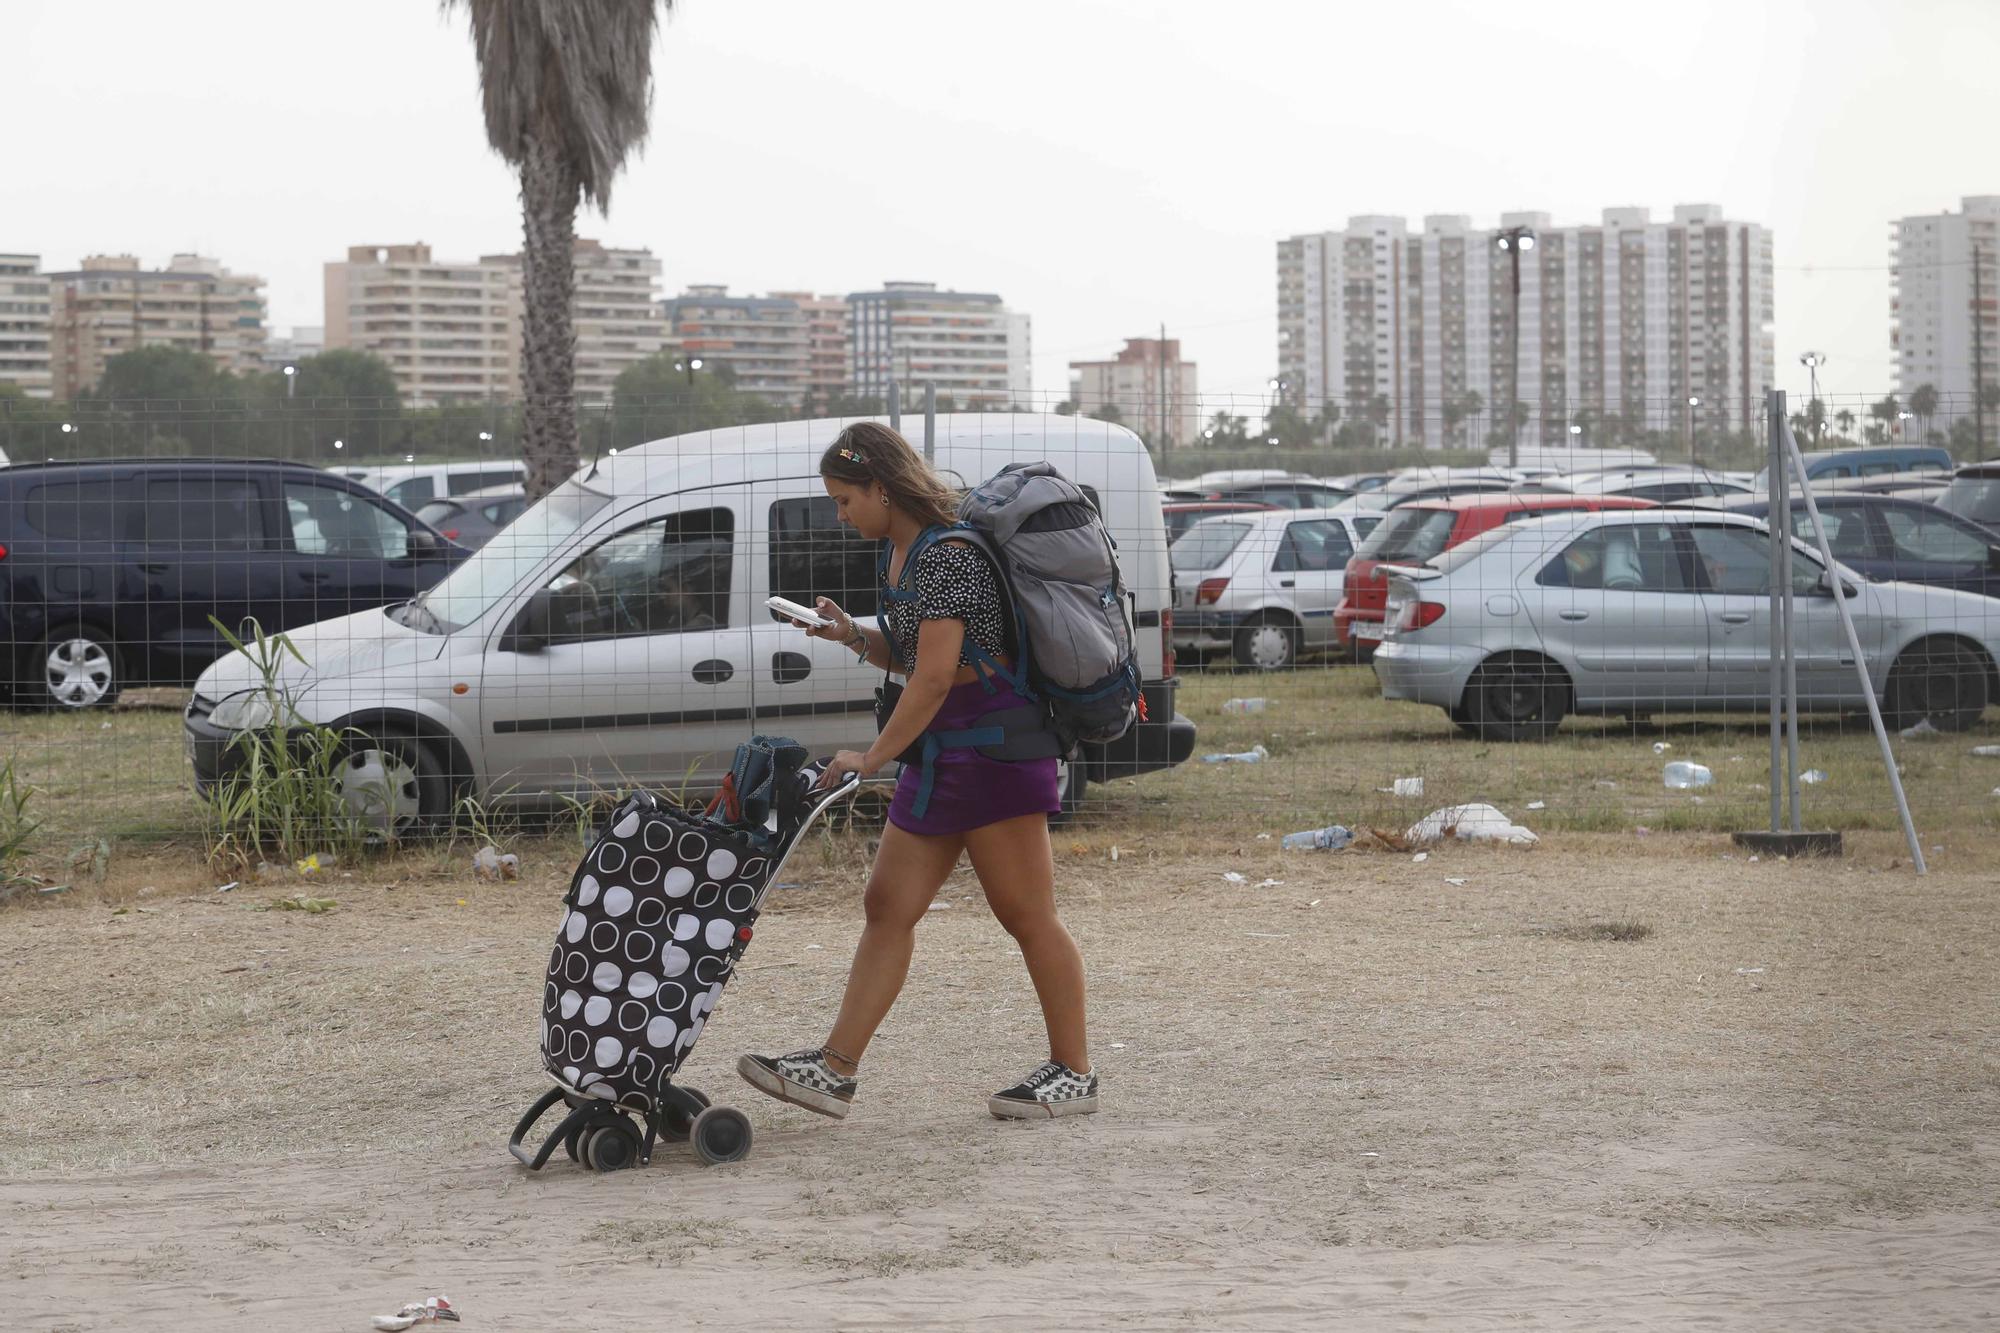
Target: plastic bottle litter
[[1987, 751], [1661, 747], [1918, 730], [436, 1310], [1409, 787], [1329, 839], [1471, 823], [1237, 707], [1255, 755], [1812, 777], [489, 863], [1681, 775]]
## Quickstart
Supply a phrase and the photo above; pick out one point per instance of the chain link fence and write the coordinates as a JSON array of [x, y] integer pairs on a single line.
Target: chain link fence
[[1544, 617]]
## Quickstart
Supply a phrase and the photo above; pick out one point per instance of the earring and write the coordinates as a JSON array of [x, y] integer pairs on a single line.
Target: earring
[[885, 499]]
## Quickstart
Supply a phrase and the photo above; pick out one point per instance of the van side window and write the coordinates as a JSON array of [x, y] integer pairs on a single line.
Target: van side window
[[662, 577], [73, 511], [204, 512], [814, 555], [326, 521]]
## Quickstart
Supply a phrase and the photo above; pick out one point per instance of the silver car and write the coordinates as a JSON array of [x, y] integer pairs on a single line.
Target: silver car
[[1263, 585], [1647, 611]]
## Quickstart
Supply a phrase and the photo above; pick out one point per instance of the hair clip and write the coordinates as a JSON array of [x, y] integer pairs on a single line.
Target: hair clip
[[852, 457]]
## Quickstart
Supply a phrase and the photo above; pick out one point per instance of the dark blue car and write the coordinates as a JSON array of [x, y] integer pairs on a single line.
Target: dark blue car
[[109, 571], [1889, 538]]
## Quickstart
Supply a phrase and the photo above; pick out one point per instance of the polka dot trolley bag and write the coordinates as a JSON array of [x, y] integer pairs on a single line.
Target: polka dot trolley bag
[[656, 918]]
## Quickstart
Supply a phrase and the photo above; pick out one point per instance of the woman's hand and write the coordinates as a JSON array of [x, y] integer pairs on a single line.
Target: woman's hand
[[843, 763], [842, 628]]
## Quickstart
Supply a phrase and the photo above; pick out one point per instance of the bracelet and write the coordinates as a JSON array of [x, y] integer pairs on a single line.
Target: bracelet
[[856, 640]]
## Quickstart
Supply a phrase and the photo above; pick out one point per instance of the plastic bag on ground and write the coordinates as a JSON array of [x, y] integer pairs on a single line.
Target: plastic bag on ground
[[1473, 823]]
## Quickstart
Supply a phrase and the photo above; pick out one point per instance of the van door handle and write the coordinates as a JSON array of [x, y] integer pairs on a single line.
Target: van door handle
[[790, 668], [713, 672], [151, 567], [1572, 615], [315, 575], [1735, 617], [1286, 583]]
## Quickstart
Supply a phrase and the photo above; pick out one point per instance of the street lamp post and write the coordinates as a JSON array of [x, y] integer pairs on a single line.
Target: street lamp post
[[291, 382], [1512, 242], [1815, 412], [1902, 431], [1693, 458], [689, 367]]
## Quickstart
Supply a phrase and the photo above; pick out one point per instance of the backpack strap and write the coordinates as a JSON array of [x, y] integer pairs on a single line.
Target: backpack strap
[[1012, 734]]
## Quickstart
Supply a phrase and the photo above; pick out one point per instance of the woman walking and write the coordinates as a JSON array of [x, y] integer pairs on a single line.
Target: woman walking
[[995, 811]]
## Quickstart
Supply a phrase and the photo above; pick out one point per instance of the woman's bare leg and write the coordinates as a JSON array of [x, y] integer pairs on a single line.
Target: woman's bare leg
[[909, 870], [1016, 868]]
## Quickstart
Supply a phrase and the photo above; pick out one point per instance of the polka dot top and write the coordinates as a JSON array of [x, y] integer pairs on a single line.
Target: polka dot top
[[952, 581]]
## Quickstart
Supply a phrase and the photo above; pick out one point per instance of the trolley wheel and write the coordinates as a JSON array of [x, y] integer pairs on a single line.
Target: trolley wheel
[[675, 1123], [570, 1145], [614, 1146], [720, 1134]]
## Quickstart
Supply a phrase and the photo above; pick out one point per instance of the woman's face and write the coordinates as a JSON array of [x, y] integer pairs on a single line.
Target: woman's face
[[860, 506]]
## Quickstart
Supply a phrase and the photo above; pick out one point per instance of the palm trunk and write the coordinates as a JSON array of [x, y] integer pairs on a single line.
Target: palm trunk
[[549, 193]]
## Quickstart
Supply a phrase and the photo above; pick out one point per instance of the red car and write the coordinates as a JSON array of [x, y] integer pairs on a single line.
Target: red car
[[1413, 533]]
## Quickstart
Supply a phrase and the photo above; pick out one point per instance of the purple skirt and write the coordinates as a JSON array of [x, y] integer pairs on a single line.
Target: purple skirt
[[968, 790]]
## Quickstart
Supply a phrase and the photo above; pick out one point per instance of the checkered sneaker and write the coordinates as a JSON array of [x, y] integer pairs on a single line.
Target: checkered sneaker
[[1052, 1090], [803, 1078]]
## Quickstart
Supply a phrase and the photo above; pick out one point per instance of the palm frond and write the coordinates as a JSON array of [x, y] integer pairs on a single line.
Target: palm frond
[[574, 74]]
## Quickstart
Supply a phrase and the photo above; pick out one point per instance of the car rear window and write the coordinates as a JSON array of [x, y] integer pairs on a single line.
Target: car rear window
[[1410, 534], [1206, 545], [1471, 549], [1975, 497]]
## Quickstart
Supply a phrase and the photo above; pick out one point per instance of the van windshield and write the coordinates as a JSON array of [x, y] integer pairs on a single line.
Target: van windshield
[[520, 548]]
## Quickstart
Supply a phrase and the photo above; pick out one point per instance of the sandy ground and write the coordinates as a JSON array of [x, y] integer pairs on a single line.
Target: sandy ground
[[1365, 1096]]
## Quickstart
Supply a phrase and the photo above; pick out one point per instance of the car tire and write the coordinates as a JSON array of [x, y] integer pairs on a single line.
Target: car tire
[[1267, 643], [75, 668], [394, 784], [1521, 699], [1939, 680]]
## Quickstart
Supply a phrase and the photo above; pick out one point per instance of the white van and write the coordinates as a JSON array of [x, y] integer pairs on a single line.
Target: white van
[[615, 635], [412, 485]]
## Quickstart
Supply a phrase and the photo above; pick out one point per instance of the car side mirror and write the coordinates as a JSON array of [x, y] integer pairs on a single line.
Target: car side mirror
[[1826, 584], [425, 542], [532, 627]]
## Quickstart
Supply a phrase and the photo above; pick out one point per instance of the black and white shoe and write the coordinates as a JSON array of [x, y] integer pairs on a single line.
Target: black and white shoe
[[803, 1078], [1054, 1089]]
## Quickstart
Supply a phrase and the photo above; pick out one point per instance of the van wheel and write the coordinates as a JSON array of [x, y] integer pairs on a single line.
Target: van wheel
[[393, 785], [73, 669], [1267, 644], [1941, 681], [1521, 699]]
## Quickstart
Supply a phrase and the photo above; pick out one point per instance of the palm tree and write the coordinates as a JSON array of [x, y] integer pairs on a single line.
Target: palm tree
[[1885, 411], [1924, 402], [567, 88], [1844, 419]]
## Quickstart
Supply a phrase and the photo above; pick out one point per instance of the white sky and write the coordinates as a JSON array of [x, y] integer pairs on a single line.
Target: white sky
[[1104, 165]]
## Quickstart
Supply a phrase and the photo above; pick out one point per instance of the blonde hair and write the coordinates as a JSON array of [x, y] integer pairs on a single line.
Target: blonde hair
[[869, 451]]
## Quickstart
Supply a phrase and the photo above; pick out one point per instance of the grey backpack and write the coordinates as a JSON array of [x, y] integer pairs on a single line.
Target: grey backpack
[[1059, 566]]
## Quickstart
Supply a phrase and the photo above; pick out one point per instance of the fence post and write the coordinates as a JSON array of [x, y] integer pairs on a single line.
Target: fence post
[[930, 422], [1774, 495], [895, 406]]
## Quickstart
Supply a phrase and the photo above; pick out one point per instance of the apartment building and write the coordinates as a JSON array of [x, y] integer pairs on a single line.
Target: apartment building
[[1148, 384], [766, 341], [112, 305], [450, 331], [968, 344], [304, 340], [1944, 308], [1620, 324], [24, 325], [826, 344]]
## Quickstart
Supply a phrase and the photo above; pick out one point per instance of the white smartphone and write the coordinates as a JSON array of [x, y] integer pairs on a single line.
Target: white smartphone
[[790, 609]]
